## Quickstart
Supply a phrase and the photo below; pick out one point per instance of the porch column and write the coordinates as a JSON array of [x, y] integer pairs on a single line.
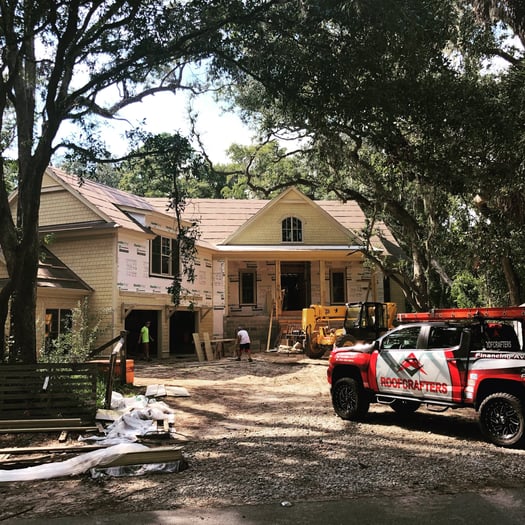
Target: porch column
[[322, 282], [278, 305], [226, 289]]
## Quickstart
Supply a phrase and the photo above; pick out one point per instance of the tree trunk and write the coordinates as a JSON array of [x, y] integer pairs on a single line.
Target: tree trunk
[[512, 280], [22, 250], [23, 305]]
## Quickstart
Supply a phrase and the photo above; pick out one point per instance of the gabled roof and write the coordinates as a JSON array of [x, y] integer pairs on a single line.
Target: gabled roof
[[220, 220], [53, 273], [108, 203], [289, 198]]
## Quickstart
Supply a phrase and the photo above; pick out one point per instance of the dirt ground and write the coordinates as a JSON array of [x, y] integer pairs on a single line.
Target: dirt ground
[[266, 432]]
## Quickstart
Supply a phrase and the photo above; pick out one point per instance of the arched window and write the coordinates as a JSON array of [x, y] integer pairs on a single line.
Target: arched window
[[292, 230]]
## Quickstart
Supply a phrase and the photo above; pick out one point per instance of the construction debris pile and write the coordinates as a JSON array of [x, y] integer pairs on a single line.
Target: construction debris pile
[[114, 447]]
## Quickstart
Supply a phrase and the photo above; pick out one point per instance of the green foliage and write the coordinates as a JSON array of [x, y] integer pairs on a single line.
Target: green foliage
[[159, 165], [9, 171], [263, 170], [75, 345], [399, 114], [81, 64], [468, 291], [166, 165]]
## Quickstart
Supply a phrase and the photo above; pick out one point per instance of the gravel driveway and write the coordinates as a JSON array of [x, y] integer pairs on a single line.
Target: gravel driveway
[[266, 432]]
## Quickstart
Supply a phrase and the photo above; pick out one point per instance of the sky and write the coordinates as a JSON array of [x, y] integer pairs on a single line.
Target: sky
[[168, 113]]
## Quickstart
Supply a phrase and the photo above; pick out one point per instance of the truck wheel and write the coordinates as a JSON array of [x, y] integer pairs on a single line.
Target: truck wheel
[[501, 419], [345, 340], [404, 407], [349, 399]]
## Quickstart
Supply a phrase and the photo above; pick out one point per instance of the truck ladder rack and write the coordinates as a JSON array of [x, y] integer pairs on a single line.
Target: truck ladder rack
[[450, 314]]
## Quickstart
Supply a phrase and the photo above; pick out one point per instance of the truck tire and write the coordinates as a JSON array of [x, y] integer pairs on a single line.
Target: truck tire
[[349, 399], [404, 407], [345, 340], [501, 419]]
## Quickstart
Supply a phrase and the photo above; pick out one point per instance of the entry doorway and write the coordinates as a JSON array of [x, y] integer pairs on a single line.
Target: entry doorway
[[295, 285], [182, 327], [134, 322]]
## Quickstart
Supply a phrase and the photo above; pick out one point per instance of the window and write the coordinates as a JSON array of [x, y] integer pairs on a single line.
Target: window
[[58, 322], [444, 337], [501, 336], [337, 287], [164, 257], [247, 288], [292, 230], [402, 338]]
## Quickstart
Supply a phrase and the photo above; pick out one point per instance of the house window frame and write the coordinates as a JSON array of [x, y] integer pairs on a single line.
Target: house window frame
[[292, 230], [58, 321], [164, 260], [341, 274], [247, 287]]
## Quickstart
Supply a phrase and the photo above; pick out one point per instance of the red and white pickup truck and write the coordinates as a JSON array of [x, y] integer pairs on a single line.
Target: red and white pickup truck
[[449, 358]]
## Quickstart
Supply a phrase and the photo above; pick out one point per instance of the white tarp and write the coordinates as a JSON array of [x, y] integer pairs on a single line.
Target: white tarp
[[71, 467], [138, 419]]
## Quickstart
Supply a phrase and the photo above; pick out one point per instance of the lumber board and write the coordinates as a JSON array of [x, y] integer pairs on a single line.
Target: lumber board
[[198, 347], [152, 455], [70, 422], [46, 429], [207, 346], [26, 462], [72, 449]]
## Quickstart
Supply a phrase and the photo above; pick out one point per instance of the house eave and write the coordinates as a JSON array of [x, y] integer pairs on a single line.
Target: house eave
[[89, 226], [281, 252], [287, 248]]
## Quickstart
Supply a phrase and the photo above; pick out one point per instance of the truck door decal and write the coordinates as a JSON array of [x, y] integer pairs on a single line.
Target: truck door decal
[[414, 373]]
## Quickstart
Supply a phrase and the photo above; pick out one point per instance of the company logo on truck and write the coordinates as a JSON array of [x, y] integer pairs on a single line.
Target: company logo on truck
[[413, 385], [411, 365]]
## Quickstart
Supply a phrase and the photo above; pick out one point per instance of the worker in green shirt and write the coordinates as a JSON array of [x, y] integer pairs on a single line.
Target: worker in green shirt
[[144, 340]]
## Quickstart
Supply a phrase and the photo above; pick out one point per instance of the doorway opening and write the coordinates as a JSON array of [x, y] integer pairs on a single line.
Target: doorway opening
[[134, 322], [295, 285], [182, 327]]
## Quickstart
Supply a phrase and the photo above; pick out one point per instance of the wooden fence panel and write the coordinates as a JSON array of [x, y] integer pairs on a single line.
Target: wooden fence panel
[[47, 390]]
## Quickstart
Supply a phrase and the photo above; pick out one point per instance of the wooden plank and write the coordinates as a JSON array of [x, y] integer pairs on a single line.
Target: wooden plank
[[52, 449], [198, 347], [25, 462], [46, 429], [20, 423], [207, 346], [109, 383], [152, 455], [108, 415]]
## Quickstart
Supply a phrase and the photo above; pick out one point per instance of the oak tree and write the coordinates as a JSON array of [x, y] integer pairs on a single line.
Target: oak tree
[[79, 61]]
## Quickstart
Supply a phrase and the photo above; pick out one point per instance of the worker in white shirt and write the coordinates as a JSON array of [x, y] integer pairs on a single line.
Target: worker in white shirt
[[243, 344]]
